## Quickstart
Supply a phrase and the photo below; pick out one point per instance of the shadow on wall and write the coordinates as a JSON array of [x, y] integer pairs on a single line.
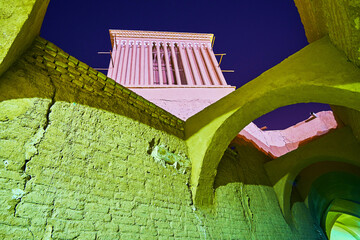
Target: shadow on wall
[[242, 162], [45, 71]]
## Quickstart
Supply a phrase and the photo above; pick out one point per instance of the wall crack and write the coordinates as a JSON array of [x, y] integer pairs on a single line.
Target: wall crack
[[31, 149]]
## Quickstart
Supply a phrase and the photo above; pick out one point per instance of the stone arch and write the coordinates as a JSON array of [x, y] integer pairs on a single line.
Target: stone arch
[[333, 194], [283, 171], [317, 73]]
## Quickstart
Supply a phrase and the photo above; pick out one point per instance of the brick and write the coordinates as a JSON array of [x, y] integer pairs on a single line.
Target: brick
[[94, 216], [71, 64], [96, 207], [50, 52], [73, 71], [61, 70], [61, 64], [73, 60], [111, 81], [50, 65], [89, 88], [66, 77], [62, 54], [41, 40], [93, 71], [83, 65], [49, 58], [51, 47]]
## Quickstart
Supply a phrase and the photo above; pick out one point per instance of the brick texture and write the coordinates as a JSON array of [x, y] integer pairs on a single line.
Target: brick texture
[[76, 167]]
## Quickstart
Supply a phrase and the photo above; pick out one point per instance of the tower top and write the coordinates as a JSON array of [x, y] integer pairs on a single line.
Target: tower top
[[206, 37]]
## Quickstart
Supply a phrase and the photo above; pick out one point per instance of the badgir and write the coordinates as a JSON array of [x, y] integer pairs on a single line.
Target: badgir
[[163, 148]]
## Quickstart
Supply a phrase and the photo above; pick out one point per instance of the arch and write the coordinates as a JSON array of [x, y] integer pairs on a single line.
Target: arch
[[331, 196], [283, 170], [342, 215], [317, 73], [304, 180]]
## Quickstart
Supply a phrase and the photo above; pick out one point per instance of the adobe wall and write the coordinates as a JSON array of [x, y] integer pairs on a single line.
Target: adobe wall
[[89, 174], [78, 160]]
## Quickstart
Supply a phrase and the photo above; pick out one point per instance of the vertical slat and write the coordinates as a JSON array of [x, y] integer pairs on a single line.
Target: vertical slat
[[142, 64], [146, 63], [128, 65], [221, 78], [121, 62], [176, 66], [193, 65], [209, 66], [133, 62], [112, 61], [124, 68], [185, 65], [161, 80], [116, 63], [137, 63], [167, 64], [151, 69], [201, 64]]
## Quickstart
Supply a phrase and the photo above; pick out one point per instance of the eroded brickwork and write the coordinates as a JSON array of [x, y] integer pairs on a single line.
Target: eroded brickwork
[[74, 81], [91, 176], [76, 163]]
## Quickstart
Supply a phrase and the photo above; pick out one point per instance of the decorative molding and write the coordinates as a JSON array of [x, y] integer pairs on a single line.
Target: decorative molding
[[160, 35]]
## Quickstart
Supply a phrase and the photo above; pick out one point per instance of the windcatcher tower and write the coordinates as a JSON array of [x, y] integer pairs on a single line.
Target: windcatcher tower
[[176, 71]]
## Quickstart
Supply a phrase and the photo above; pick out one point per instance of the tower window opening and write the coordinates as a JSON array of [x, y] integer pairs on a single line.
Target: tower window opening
[[172, 66], [155, 66], [180, 65], [163, 65]]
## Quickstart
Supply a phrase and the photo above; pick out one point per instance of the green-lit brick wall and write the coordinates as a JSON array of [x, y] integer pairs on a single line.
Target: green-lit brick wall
[[76, 163], [89, 174]]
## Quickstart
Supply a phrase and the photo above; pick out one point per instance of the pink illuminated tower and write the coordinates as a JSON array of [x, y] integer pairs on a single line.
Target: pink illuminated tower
[[176, 71]]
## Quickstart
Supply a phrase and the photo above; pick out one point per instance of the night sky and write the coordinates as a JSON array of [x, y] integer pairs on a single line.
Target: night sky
[[255, 35]]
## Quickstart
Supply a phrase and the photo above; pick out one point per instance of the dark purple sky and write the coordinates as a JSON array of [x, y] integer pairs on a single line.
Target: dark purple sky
[[255, 35]]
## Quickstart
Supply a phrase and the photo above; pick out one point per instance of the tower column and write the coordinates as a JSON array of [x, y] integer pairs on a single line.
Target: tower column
[[146, 64], [167, 64], [124, 67], [150, 69], [202, 67], [116, 61], [209, 65], [142, 64], [112, 63], [193, 65], [216, 66], [132, 59], [161, 80], [137, 63], [176, 66], [121, 61], [185, 65]]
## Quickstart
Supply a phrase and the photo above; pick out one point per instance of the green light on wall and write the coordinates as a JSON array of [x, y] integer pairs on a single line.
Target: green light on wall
[[346, 227]]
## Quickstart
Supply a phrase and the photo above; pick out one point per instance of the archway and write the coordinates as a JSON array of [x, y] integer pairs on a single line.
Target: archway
[[283, 171], [317, 73], [334, 202]]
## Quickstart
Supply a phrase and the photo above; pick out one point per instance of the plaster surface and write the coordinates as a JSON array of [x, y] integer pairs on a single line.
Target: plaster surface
[[183, 102], [20, 23], [279, 142]]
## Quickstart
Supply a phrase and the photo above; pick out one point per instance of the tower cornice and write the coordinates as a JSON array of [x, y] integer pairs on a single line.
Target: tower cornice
[[206, 37]]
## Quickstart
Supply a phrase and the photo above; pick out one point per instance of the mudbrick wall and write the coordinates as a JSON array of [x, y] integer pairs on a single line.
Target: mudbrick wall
[[84, 158], [48, 72]]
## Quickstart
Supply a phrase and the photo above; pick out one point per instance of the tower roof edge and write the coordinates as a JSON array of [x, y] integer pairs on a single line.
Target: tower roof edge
[[208, 37]]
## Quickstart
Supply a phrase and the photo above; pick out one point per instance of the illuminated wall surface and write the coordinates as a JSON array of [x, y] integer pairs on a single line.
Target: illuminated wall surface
[[82, 157]]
